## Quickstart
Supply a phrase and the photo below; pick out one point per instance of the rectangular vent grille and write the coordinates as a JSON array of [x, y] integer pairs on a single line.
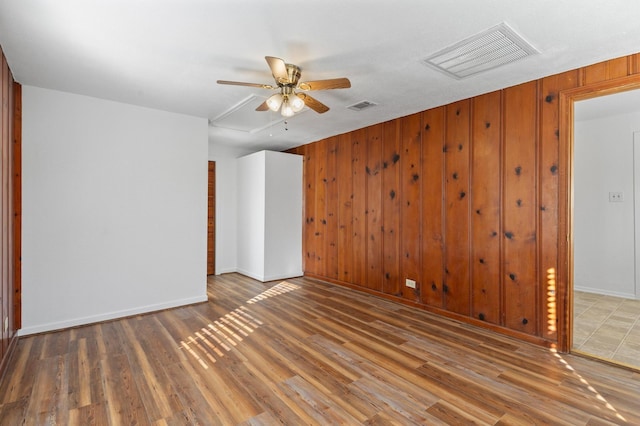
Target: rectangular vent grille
[[361, 105], [492, 48]]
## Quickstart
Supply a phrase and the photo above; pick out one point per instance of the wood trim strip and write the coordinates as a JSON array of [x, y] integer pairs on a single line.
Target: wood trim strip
[[17, 205]]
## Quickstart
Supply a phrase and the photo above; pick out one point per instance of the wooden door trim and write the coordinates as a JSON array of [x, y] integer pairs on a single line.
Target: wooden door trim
[[211, 218], [565, 195]]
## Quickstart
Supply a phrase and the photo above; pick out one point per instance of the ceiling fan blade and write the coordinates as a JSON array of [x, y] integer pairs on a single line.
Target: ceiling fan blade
[[313, 103], [263, 107], [334, 83], [240, 83], [278, 69]]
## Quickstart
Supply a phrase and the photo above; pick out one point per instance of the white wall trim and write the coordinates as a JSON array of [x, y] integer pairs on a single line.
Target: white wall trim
[[226, 271], [605, 292], [251, 275]]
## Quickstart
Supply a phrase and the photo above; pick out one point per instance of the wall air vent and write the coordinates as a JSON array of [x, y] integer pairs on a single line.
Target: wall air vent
[[362, 105], [489, 49]]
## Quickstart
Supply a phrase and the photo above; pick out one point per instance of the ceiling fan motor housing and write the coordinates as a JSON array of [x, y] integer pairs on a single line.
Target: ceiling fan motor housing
[[293, 75]]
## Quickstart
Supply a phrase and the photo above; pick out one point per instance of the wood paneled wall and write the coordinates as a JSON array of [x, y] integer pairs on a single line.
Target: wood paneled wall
[[9, 322], [463, 199]]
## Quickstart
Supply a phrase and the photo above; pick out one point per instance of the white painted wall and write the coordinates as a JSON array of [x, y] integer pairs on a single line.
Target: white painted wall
[[114, 210], [270, 215], [604, 260], [226, 205], [251, 215], [283, 216]]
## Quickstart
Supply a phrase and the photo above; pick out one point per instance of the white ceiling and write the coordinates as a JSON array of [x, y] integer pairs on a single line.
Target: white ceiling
[[168, 54]]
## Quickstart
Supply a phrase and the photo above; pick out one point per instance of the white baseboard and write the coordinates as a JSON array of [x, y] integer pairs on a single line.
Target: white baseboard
[[75, 322], [283, 277], [250, 275], [226, 271], [604, 292], [265, 278]]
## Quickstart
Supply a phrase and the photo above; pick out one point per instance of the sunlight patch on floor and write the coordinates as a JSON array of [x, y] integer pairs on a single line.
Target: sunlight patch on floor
[[221, 335], [597, 394]]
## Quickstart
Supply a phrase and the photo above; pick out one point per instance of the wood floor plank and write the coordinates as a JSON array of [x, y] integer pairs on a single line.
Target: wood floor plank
[[150, 387], [18, 386], [321, 408], [123, 402], [303, 351], [92, 414]]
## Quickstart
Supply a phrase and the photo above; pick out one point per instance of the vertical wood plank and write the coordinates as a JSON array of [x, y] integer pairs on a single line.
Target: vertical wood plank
[[548, 177], [634, 64], [411, 206], [321, 208], [485, 212], [359, 156], [17, 205], [331, 217], [606, 70], [211, 219], [391, 207], [433, 126], [520, 207], [345, 210], [457, 174], [311, 158], [373, 212]]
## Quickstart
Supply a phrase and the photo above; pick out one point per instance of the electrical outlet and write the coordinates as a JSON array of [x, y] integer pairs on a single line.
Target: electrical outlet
[[410, 283], [616, 197]]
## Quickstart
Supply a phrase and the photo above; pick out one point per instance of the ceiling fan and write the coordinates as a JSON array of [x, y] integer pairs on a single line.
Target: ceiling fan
[[288, 100]]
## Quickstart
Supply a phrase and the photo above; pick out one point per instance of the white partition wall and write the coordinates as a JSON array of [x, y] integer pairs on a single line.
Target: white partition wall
[[270, 215], [114, 210]]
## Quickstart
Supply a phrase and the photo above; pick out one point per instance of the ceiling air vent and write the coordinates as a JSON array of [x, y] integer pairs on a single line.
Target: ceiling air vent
[[361, 105], [492, 48]]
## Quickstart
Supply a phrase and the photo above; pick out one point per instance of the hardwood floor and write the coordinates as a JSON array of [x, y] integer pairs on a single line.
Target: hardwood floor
[[303, 352]]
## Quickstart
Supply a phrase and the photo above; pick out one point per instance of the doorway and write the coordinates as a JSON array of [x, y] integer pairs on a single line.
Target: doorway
[[603, 312]]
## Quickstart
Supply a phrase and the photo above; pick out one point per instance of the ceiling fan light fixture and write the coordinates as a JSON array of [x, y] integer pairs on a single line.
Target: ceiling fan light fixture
[[287, 110], [287, 78], [296, 103], [275, 101]]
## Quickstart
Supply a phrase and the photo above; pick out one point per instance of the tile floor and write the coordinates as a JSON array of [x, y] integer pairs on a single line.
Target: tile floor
[[607, 327]]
